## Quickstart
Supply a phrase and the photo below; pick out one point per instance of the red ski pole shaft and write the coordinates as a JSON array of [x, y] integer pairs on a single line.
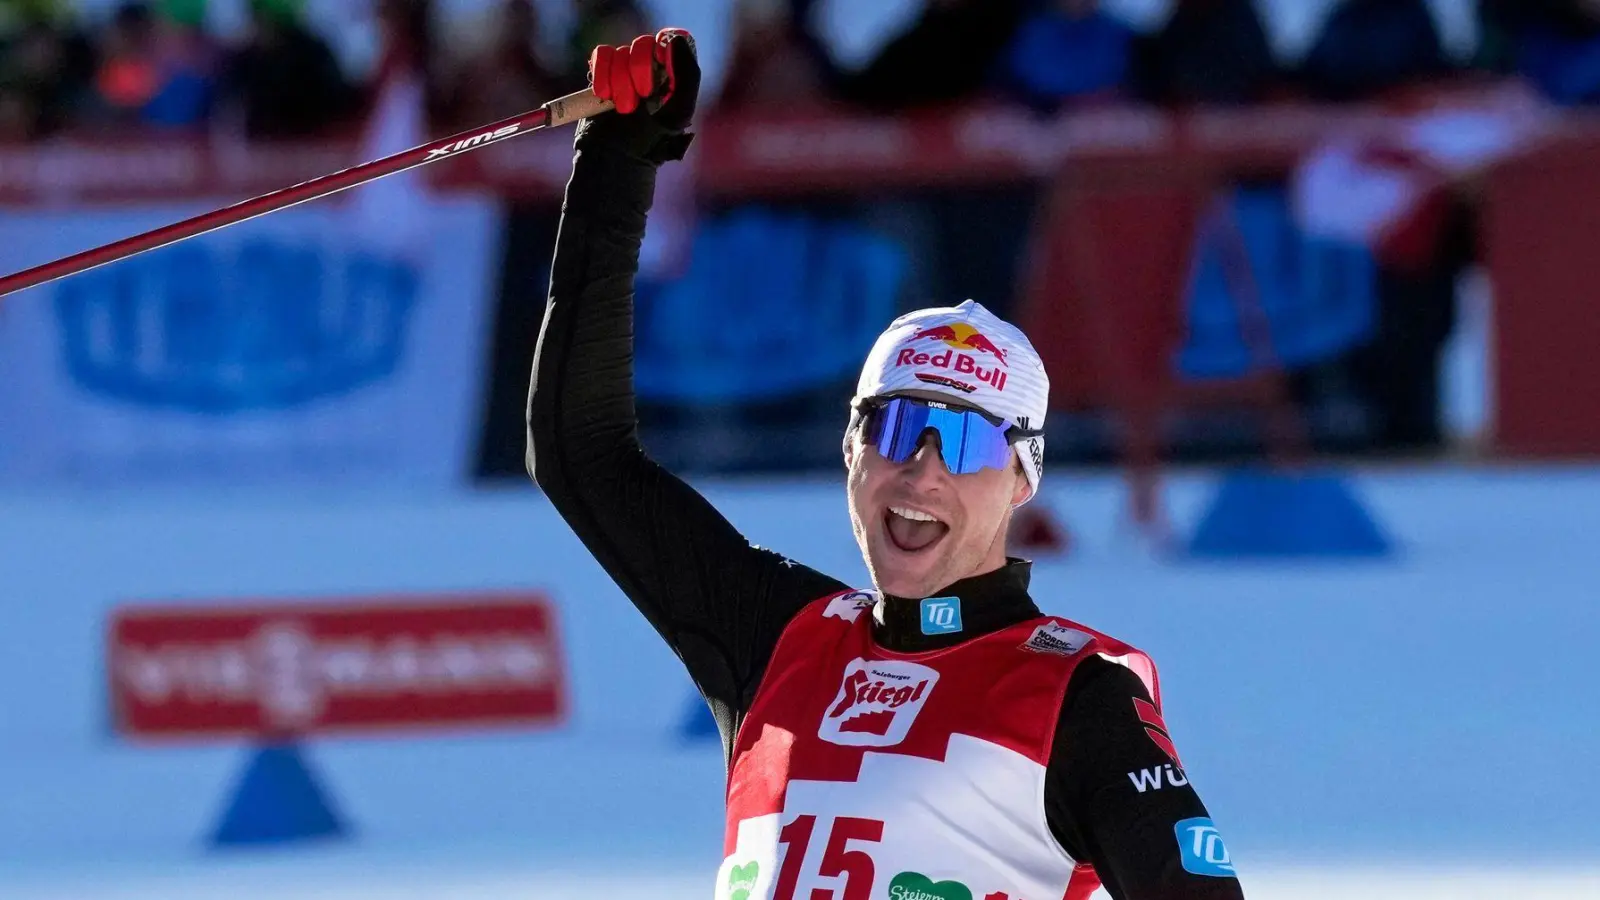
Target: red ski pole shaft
[[558, 112]]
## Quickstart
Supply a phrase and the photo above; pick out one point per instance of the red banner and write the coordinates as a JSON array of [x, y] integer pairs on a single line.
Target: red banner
[[738, 155], [347, 665]]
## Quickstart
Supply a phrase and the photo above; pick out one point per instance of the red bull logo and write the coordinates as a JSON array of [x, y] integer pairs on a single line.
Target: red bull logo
[[968, 347], [962, 337]]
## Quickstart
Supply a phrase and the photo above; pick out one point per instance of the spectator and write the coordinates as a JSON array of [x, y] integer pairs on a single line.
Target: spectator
[[46, 68], [18, 117], [191, 60], [406, 29], [505, 77], [1368, 47], [1209, 52], [285, 81], [1374, 49], [1553, 43], [771, 65], [950, 53], [158, 69], [126, 78], [1065, 50], [600, 22]]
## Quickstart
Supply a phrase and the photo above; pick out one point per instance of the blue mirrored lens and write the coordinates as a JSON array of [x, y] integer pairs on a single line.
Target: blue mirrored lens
[[967, 441]]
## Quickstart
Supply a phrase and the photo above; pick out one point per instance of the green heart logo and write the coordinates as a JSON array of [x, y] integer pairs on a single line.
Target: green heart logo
[[742, 880], [917, 886]]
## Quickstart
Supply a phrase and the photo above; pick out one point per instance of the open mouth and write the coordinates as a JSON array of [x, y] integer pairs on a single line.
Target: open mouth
[[912, 530]]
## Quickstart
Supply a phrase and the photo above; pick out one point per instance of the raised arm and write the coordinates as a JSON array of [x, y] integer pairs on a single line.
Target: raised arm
[[717, 600], [1117, 796]]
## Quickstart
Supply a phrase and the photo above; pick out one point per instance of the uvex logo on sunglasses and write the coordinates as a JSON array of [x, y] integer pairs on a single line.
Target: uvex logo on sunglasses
[[964, 341]]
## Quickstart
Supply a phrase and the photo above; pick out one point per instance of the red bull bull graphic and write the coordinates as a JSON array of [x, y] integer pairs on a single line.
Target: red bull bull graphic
[[962, 337], [968, 345], [946, 333]]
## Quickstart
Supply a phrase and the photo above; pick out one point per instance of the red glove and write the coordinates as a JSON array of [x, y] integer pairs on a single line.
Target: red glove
[[648, 72]]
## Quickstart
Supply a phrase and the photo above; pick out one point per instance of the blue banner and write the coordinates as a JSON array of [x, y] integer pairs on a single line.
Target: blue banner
[[296, 347], [1317, 297], [772, 304]]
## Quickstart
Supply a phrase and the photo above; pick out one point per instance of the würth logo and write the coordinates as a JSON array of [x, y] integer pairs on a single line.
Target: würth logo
[[1156, 727], [468, 143], [876, 703], [1151, 779]]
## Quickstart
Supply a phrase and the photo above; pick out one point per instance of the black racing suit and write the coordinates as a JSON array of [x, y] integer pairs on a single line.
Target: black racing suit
[[721, 602]]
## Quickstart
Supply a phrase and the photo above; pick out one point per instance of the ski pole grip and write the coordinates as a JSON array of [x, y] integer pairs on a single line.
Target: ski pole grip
[[574, 106]]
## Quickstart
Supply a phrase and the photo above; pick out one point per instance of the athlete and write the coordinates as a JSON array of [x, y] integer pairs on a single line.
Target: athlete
[[934, 736]]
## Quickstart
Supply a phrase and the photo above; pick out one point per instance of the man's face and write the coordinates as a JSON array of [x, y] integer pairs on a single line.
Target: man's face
[[913, 557]]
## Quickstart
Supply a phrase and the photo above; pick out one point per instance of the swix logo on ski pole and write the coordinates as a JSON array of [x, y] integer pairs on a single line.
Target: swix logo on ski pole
[[475, 140], [964, 342], [876, 703]]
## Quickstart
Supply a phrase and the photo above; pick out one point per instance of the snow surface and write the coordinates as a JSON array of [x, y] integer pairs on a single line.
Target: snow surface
[[1425, 726]]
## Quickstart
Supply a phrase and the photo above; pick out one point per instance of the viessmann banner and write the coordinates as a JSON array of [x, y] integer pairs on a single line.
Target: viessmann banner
[[316, 344], [362, 664]]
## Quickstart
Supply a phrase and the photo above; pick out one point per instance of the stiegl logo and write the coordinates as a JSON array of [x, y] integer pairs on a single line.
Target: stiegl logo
[[475, 140], [876, 703]]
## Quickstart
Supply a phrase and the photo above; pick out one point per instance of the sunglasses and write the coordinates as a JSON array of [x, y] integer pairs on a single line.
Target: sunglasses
[[969, 440]]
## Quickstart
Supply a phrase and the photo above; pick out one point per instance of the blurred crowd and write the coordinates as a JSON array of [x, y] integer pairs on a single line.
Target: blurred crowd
[[1052, 54], [154, 64]]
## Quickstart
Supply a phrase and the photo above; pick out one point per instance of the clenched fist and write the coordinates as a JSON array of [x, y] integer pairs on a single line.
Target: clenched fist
[[657, 73]]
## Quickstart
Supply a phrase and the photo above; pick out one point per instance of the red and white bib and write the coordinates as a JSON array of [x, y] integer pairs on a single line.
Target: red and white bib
[[864, 774]]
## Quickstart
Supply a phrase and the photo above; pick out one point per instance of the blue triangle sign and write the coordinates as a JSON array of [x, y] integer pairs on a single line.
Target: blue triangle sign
[[1267, 514], [277, 800]]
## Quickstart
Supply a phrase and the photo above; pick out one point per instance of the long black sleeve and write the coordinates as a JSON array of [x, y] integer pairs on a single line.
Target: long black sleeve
[[721, 603], [717, 600], [1114, 798]]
